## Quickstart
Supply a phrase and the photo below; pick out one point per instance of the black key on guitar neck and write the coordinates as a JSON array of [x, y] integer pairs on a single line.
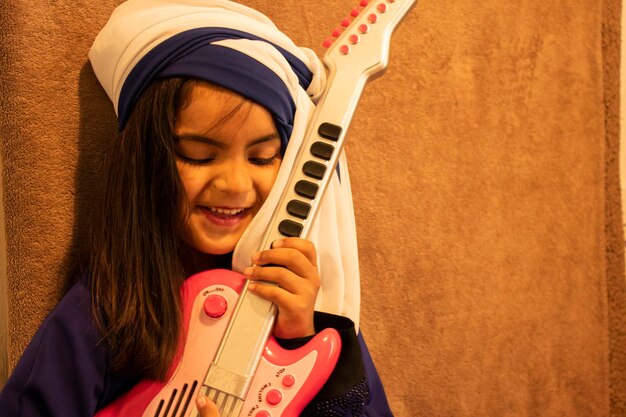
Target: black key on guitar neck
[[314, 169], [298, 208], [306, 189], [322, 150], [290, 228], [329, 131]]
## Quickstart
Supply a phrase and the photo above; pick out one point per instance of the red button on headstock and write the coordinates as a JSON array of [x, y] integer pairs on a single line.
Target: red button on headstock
[[344, 49], [373, 18], [382, 7], [355, 12], [345, 22], [336, 32], [354, 39], [364, 3], [327, 42], [364, 28]]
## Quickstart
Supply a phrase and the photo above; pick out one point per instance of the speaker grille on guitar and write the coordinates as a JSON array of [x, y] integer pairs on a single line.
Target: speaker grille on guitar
[[178, 402]]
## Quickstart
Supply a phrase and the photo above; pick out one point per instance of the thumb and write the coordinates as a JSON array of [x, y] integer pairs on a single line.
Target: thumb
[[206, 407]]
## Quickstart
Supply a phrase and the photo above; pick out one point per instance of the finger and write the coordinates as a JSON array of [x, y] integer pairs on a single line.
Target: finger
[[206, 407], [278, 296], [303, 245], [285, 279], [290, 258]]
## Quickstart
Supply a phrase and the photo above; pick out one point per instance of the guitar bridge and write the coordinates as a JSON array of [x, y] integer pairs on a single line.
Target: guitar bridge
[[228, 405]]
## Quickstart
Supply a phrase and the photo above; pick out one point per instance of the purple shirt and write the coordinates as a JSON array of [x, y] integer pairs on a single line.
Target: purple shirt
[[64, 371]]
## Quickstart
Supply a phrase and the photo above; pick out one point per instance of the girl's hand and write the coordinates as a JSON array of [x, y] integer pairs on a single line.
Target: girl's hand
[[206, 407], [298, 283]]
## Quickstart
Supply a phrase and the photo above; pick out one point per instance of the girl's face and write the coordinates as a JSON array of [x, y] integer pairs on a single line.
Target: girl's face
[[228, 155]]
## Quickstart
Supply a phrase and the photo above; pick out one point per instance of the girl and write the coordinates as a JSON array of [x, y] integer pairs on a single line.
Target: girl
[[212, 102]]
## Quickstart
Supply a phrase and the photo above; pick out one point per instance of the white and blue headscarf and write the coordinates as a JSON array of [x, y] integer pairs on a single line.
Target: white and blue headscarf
[[239, 48]]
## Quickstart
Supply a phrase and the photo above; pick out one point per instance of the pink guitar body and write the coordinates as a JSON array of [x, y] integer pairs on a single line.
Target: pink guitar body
[[285, 380]]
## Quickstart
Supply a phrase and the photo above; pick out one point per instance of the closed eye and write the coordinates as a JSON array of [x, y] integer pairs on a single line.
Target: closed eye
[[265, 161], [193, 161]]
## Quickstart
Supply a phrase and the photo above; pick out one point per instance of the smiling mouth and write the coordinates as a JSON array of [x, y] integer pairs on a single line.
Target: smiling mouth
[[223, 214]]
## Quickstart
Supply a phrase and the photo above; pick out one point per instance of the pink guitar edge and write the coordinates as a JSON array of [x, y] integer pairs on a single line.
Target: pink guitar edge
[[284, 383]]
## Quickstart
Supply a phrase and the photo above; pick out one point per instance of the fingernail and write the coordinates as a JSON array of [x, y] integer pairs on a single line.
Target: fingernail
[[251, 286], [277, 243], [248, 271], [201, 401], [256, 256]]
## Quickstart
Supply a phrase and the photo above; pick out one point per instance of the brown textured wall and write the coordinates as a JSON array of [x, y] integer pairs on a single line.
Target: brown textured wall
[[485, 182], [616, 285], [47, 149]]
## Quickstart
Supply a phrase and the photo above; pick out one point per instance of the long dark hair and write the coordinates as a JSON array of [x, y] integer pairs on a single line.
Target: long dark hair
[[134, 267]]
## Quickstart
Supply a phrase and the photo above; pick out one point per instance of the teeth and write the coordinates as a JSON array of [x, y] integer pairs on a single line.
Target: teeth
[[227, 212]]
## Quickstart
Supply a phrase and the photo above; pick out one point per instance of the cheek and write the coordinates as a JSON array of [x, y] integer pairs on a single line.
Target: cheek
[[266, 181], [190, 181]]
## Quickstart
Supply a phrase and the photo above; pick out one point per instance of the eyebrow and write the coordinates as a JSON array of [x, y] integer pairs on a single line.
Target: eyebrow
[[222, 145]]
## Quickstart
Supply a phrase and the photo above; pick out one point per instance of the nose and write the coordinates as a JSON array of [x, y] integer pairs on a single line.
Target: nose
[[233, 178]]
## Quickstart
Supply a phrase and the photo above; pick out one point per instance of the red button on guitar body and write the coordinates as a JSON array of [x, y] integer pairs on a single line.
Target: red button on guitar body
[[344, 49], [382, 7], [289, 381], [373, 18], [354, 39], [364, 28], [262, 413], [274, 397], [215, 306]]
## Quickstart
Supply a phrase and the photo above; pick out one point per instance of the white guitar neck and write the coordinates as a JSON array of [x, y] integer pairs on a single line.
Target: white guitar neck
[[357, 52]]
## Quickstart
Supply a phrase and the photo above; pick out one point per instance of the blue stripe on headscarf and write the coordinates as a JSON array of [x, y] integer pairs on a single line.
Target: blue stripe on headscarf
[[191, 54]]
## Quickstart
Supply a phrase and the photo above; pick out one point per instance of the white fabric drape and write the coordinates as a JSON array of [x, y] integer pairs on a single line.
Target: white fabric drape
[[137, 26]]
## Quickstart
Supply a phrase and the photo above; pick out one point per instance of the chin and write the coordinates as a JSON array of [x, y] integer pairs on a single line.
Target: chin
[[220, 247], [219, 250], [211, 243]]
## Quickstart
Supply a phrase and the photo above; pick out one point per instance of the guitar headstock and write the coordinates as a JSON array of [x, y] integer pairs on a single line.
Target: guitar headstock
[[362, 39]]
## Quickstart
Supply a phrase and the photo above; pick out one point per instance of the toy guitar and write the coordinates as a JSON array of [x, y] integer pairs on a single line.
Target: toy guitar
[[228, 352]]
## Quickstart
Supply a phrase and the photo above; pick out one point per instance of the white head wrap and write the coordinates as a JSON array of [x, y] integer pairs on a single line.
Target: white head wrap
[[137, 27]]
